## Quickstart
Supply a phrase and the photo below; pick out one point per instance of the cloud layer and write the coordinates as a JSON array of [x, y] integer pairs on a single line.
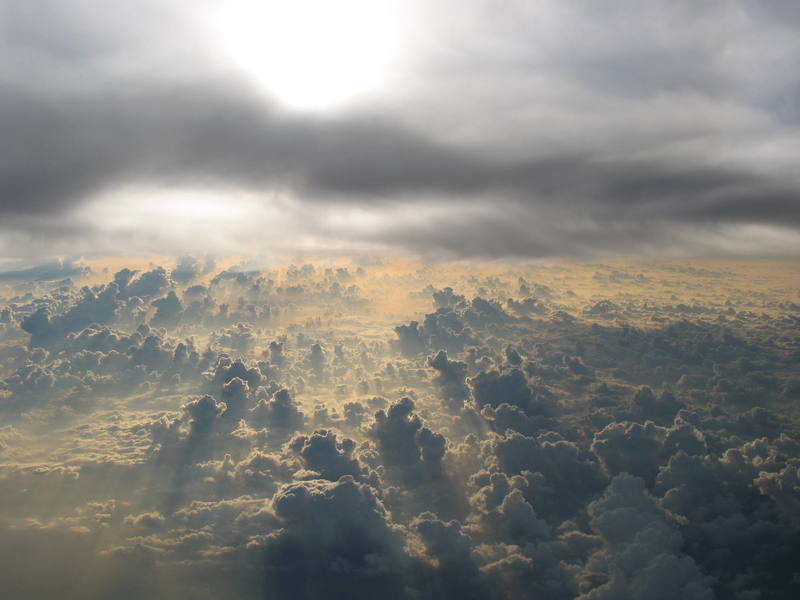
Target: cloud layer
[[568, 432], [558, 129]]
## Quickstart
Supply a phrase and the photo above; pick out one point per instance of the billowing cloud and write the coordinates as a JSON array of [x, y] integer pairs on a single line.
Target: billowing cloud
[[253, 433]]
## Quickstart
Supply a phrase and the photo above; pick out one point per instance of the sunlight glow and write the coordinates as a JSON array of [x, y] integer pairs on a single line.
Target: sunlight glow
[[311, 54], [192, 220]]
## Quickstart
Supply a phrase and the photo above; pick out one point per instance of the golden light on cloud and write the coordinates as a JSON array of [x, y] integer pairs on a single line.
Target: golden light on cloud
[[311, 54]]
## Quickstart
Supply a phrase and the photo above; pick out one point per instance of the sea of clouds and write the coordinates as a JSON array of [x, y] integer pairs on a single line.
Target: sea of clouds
[[370, 430]]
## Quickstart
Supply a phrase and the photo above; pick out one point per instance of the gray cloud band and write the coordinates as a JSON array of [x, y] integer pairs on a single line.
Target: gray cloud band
[[71, 138]]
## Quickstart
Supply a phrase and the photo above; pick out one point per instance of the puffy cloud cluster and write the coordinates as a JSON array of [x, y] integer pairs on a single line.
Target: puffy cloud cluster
[[451, 376], [558, 477], [625, 447], [405, 443], [641, 554], [278, 438], [336, 539]]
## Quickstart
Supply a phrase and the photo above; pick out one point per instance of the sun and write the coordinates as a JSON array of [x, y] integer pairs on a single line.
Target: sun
[[311, 54]]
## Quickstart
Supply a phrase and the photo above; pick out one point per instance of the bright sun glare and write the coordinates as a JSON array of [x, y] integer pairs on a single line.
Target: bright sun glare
[[311, 54]]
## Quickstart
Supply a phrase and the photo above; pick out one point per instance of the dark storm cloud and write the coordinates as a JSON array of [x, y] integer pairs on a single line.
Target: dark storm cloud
[[66, 150], [630, 128]]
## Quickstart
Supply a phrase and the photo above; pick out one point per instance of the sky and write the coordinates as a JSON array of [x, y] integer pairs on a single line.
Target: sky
[[430, 299], [437, 128]]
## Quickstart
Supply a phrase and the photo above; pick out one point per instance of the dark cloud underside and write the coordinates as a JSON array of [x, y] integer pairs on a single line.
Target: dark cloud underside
[[652, 122]]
